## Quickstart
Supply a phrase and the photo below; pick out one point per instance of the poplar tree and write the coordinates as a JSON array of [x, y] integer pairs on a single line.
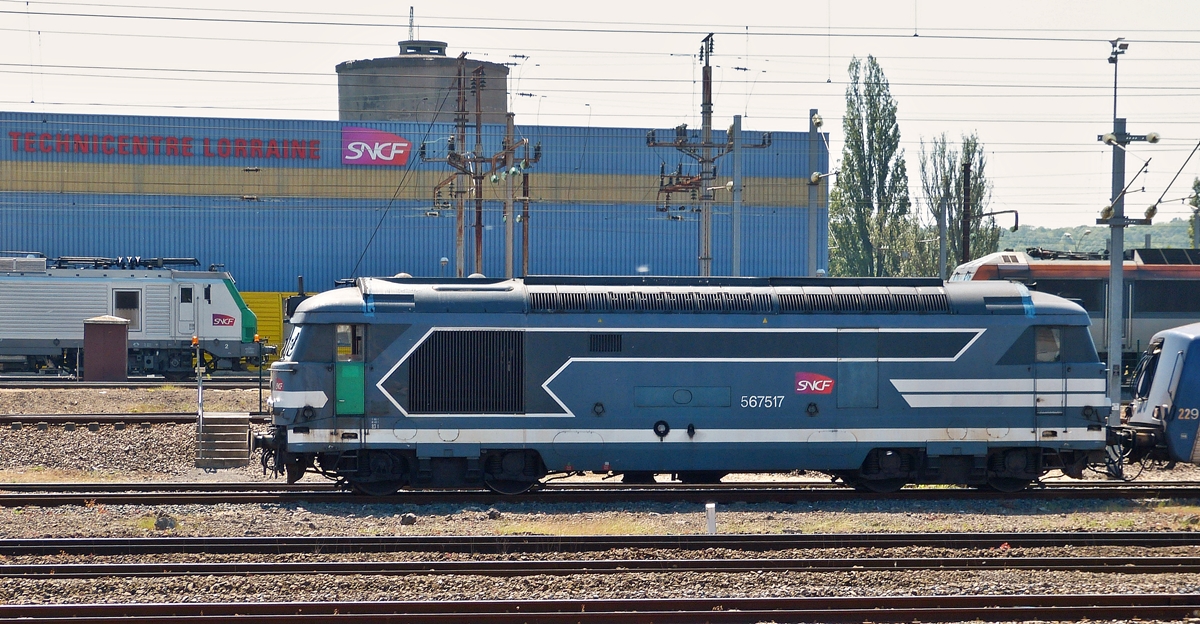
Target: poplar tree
[[1194, 202], [869, 220], [941, 181]]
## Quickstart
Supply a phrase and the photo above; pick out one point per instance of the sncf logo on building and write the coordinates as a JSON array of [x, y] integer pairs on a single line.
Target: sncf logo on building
[[367, 146], [223, 320], [812, 383]]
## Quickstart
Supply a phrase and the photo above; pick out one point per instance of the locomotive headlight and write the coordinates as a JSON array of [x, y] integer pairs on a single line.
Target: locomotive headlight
[[195, 341]]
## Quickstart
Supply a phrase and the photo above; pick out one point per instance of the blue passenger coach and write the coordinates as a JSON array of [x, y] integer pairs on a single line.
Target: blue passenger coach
[[402, 382]]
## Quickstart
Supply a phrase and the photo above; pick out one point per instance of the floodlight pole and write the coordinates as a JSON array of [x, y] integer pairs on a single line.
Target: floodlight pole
[[1117, 223]]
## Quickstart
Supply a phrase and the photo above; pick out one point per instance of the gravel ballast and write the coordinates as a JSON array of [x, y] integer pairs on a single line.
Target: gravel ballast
[[166, 453]]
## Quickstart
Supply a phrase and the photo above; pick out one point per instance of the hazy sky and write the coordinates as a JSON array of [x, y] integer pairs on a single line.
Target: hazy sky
[[1030, 77]]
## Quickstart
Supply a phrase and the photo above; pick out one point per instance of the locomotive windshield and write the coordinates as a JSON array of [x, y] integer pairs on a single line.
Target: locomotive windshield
[[1143, 376], [288, 348], [310, 343]]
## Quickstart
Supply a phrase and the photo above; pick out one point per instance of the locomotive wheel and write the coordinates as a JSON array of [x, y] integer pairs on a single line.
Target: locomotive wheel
[[879, 486], [294, 468], [701, 477], [1007, 484], [509, 487], [377, 488], [638, 478]]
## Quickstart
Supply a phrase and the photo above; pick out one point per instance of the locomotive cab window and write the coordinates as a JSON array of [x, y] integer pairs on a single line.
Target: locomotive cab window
[[127, 305], [185, 294], [349, 343], [1048, 344]]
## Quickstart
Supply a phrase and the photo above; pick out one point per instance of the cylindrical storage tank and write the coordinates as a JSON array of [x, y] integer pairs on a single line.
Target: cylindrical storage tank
[[419, 85], [105, 348]]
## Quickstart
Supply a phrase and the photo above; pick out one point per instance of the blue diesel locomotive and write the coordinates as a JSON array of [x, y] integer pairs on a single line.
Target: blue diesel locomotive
[[403, 382], [1161, 423]]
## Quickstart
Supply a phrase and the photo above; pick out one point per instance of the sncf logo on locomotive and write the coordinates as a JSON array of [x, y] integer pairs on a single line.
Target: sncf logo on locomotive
[[223, 320], [812, 383], [367, 146]]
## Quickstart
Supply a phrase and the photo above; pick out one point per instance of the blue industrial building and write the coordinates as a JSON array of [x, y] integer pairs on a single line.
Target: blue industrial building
[[274, 199]]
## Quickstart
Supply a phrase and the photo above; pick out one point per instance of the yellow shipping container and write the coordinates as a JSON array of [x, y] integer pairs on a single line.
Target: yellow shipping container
[[268, 307]]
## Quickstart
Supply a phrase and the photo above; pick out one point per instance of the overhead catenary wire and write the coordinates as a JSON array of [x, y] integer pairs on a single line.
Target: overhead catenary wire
[[403, 179]]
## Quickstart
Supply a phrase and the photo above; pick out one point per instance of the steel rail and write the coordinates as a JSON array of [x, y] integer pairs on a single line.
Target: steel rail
[[630, 611], [83, 420], [1122, 565], [786, 495], [247, 383], [590, 487], [507, 544], [172, 486]]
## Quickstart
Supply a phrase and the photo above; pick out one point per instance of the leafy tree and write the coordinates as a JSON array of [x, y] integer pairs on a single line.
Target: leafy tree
[[869, 205], [942, 181], [1194, 201]]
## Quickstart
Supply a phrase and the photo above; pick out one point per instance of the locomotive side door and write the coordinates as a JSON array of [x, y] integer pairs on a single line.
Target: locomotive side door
[[185, 314], [1050, 383], [350, 371]]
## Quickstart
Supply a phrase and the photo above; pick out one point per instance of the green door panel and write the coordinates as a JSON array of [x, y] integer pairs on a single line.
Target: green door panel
[[351, 387]]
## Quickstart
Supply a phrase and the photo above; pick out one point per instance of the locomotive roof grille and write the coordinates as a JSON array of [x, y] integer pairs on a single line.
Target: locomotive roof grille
[[720, 301]]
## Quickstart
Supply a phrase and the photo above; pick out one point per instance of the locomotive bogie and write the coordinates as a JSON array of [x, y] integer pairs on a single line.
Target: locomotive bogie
[[472, 383]]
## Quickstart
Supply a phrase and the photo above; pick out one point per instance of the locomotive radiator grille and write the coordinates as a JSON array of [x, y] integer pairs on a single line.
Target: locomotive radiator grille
[[468, 372], [724, 302]]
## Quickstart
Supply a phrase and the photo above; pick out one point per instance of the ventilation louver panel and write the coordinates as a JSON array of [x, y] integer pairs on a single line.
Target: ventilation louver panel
[[628, 301], [790, 302], [468, 372], [604, 343], [878, 302], [543, 301], [655, 301], [575, 301], [848, 302], [681, 301], [822, 302], [908, 302], [600, 301], [711, 301], [935, 302]]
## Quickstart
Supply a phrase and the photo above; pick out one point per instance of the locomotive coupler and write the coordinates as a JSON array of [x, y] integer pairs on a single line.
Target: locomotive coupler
[[266, 441]]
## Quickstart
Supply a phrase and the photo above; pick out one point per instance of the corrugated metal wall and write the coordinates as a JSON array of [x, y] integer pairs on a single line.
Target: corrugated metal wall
[[268, 307], [267, 244], [295, 207]]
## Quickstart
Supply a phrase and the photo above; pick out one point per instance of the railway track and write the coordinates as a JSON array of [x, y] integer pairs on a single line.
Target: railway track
[[534, 544], [54, 495], [660, 611], [110, 420], [33, 382], [1123, 565]]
